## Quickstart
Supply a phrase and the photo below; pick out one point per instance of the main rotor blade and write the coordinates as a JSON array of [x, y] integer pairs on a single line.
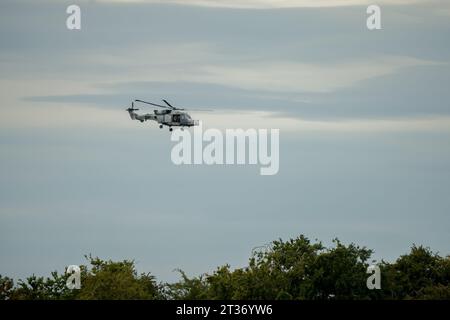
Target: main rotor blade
[[165, 101], [153, 104]]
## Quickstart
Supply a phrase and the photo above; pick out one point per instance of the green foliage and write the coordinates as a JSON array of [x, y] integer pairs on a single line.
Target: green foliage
[[105, 280], [40, 288], [295, 269], [108, 280], [299, 269], [186, 289], [419, 275], [6, 287]]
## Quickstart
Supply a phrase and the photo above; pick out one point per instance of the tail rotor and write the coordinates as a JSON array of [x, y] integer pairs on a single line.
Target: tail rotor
[[132, 108]]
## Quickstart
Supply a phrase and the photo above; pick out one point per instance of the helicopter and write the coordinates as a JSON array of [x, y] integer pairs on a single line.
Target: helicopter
[[170, 116]]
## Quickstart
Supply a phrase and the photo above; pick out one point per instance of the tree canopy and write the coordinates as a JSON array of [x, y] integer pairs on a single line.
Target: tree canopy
[[294, 269]]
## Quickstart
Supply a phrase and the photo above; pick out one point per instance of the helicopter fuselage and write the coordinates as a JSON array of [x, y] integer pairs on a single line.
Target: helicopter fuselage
[[170, 118]]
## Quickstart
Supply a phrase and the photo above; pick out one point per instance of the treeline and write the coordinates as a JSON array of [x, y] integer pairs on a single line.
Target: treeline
[[296, 269]]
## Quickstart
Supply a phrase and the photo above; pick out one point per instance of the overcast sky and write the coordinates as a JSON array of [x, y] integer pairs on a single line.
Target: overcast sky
[[364, 119]]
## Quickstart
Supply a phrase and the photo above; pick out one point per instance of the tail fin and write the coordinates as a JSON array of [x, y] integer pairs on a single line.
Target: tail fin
[[132, 115]]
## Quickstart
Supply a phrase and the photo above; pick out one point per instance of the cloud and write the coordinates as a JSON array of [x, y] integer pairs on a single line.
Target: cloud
[[202, 64], [301, 77], [269, 4], [88, 117], [412, 93], [289, 124], [199, 63]]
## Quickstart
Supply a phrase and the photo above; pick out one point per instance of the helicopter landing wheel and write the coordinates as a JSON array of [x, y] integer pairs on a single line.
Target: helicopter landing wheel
[[160, 126], [170, 129]]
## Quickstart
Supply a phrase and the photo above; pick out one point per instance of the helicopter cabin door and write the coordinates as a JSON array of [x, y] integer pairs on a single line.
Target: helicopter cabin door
[[176, 118]]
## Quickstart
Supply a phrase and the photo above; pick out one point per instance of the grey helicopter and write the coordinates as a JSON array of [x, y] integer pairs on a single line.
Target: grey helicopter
[[169, 115]]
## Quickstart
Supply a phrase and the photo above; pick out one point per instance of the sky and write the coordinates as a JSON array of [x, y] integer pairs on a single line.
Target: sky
[[364, 119]]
